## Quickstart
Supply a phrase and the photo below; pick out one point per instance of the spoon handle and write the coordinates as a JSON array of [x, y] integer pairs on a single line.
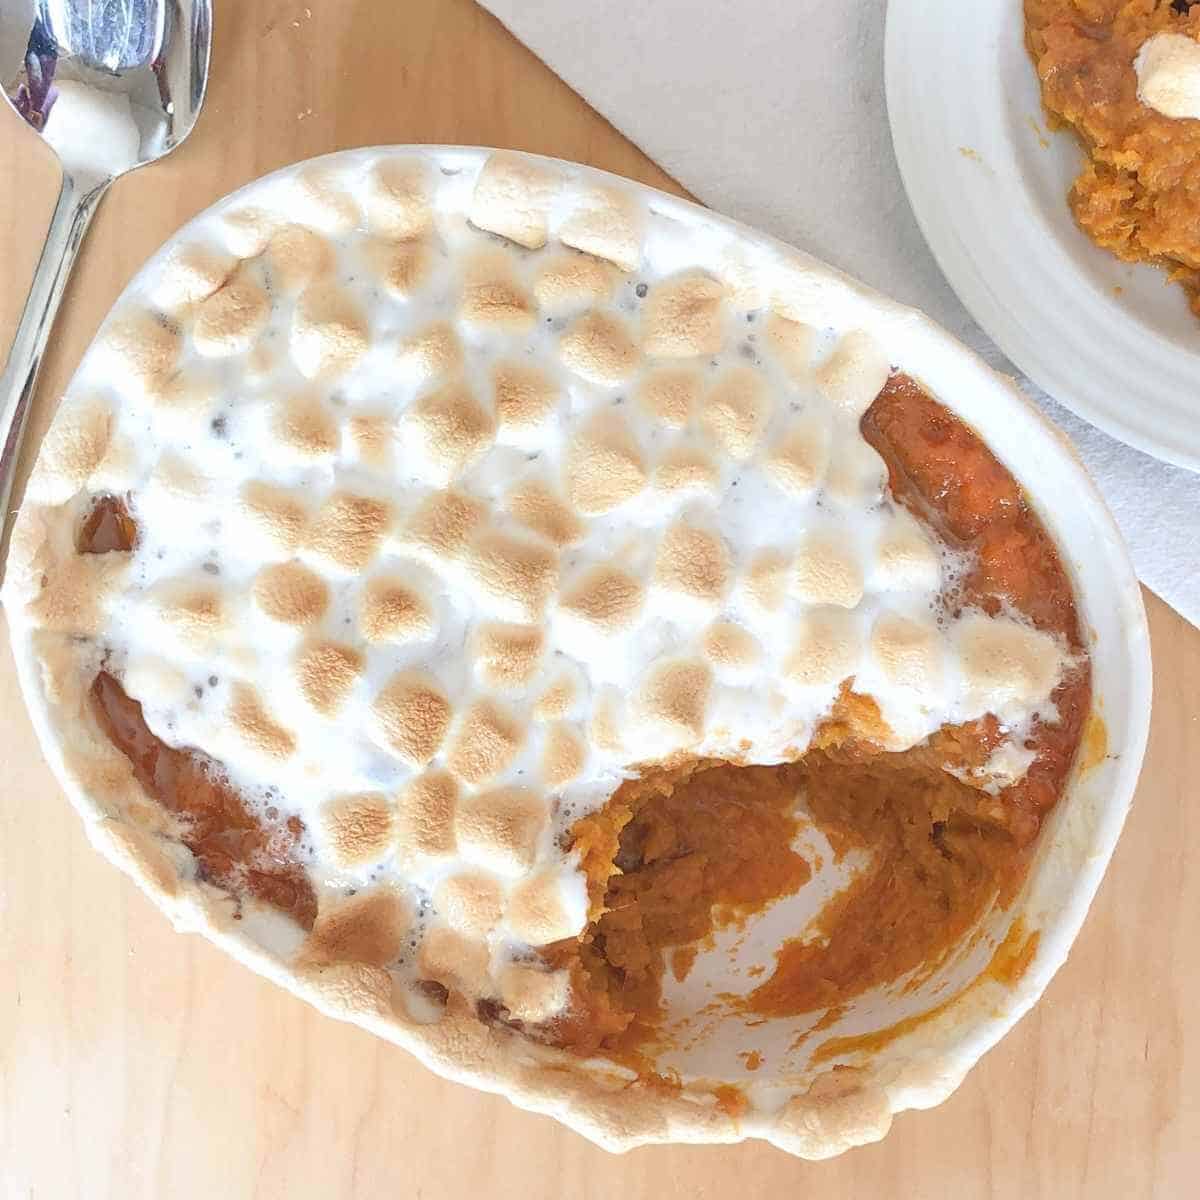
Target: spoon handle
[[77, 201]]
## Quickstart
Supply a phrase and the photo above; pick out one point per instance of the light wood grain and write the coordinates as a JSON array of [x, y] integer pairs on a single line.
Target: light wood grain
[[135, 1062]]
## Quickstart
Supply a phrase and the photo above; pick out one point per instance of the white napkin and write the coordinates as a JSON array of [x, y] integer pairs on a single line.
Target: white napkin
[[773, 112]]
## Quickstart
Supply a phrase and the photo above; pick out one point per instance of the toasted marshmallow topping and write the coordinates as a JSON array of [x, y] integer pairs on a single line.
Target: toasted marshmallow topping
[[1168, 72], [462, 493]]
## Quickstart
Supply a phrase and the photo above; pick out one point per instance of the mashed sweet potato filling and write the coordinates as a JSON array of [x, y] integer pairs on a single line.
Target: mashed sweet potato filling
[[709, 844]]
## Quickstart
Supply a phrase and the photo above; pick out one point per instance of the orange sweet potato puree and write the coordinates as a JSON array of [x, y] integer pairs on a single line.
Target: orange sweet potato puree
[[678, 853]]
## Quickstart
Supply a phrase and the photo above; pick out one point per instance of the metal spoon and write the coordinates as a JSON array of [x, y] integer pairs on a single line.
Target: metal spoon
[[111, 85]]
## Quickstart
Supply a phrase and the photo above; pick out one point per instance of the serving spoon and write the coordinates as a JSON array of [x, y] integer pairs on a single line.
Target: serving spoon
[[111, 85]]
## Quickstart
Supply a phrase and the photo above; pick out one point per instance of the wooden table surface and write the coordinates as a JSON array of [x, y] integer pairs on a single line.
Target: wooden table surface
[[135, 1062]]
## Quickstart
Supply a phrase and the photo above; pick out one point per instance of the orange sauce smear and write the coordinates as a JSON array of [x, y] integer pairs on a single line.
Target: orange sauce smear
[[107, 527], [731, 1100], [1008, 964]]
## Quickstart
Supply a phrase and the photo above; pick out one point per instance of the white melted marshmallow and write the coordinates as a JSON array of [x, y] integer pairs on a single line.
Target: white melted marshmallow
[[1168, 72]]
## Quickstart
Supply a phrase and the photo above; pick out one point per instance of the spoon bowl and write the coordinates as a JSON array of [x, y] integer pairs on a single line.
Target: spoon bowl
[[110, 85]]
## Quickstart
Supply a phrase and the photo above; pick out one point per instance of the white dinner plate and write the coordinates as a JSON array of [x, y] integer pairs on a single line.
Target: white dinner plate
[[1114, 342]]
